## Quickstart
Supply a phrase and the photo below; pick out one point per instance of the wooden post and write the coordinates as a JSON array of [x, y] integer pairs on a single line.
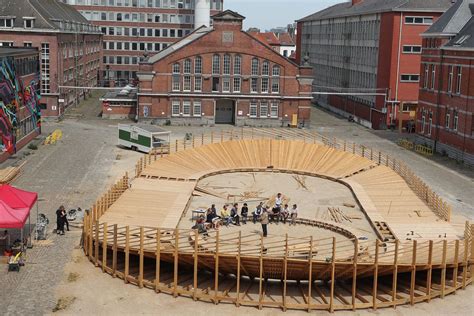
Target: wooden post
[[354, 273], [456, 262], [413, 273], [184, 144], [353, 148], [376, 274], [158, 260], [333, 271], [260, 283], [193, 141], [363, 151], [104, 247], [196, 262], [242, 133], [395, 273], [380, 157], [176, 148], [175, 268], [222, 136], [430, 270], [285, 272], [114, 254], [127, 254], [443, 268], [310, 271], [345, 145], [141, 256], [216, 262], [91, 236], [96, 243], [239, 251], [465, 263], [202, 139]]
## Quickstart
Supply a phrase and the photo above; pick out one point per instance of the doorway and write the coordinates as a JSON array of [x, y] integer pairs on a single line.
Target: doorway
[[225, 111]]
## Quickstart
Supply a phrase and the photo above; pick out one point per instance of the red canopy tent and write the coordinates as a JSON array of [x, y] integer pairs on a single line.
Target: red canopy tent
[[12, 217]]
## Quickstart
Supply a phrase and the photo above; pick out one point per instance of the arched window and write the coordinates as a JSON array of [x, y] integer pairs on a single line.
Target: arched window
[[276, 71], [265, 68], [255, 66], [198, 65], [237, 65], [216, 64], [227, 62], [176, 68], [187, 66]]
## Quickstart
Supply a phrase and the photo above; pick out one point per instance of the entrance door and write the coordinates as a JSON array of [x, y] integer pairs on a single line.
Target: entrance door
[[225, 112]]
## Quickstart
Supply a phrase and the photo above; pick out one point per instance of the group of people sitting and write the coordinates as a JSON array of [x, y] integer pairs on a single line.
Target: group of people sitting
[[263, 213]]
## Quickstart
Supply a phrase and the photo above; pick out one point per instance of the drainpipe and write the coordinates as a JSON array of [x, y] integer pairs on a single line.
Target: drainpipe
[[398, 67]]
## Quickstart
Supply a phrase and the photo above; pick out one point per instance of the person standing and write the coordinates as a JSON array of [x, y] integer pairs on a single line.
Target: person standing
[[60, 221], [66, 222], [264, 222], [244, 212], [294, 214]]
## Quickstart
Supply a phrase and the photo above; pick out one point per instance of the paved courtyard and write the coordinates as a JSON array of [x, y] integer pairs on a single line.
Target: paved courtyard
[[86, 160]]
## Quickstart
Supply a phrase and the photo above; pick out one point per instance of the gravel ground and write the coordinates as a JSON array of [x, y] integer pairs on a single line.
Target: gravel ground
[[79, 167]]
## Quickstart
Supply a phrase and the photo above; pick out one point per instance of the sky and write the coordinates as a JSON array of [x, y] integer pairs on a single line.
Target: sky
[[266, 14]]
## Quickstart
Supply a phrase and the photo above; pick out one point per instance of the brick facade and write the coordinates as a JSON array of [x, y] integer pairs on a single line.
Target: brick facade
[[169, 83]]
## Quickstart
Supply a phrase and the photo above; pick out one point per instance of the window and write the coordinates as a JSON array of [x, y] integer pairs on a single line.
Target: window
[[450, 78], [425, 79], [226, 64], [265, 68], [226, 84], [45, 71], [253, 109], [459, 79], [216, 64], [430, 123], [254, 85], [198, 65], [276, 71], [409, 78], [255, 67], [175, 107], [176, 78], [423, 121], [198, 84], [275, 85], [263, 109], [264, 85], [29, 23], [274, 109], [237, 84], [433, 76], [176, 68], [215, 84], [197, 108], [456, 119], [418, 20], [409, 49], [187, 66], [186, 108], [187, 83], [6, 22], [447, 119], [237, 65]]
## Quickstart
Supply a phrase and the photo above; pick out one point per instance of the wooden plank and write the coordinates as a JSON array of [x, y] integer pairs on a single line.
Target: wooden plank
[[104, 247], [239, 245], [285, 273], [395, 272], [310, 271], [176, 263], [354, 274], [96, 243], [429, 273], [142, 257], [443, 269], [333, 271], [114, 253], [157, 260], [456, 265], [196, 263], [413, 273], [127, 254], [260, 282], [216, 271]]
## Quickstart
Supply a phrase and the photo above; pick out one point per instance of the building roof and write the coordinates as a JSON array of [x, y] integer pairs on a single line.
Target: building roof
[[125, 94], [465, 38], [285, 39], [47, 14], [377, 6], [453, 20], [17, 51], [272, 39]]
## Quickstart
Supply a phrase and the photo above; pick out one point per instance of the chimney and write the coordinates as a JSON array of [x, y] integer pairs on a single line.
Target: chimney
[[354, 2], [202, 13]]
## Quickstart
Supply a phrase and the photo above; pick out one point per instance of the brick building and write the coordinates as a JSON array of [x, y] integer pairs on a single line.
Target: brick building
[[133, 27], [70, 47], [368, 46], [445, 117], [279, 42], [19, 98], [222, 74]]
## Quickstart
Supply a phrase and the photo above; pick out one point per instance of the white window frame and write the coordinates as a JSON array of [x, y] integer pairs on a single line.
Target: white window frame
[[227, 64], [410, 78], [186, 108], [198, 84], [175, 108], [274, 109], [456, 120], [425, 79], [423, 22], [459, 80], [409, 49], [237, 65], [447, 119], [198, 65], [197, 108], [254, 85], [433, 77], [265, 82], [216, 64], [226, 84], [187, 83], [255, 65], [263, 106], [450, 78], [253, 106]]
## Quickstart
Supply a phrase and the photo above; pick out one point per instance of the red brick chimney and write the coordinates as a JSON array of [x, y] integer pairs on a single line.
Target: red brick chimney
[[354, 2]]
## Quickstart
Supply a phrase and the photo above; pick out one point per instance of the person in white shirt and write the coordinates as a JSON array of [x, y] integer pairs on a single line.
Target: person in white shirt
[[294, 214]]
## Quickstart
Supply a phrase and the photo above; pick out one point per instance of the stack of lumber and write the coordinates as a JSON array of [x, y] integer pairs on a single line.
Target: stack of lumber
[[336, 215], [8, 174]]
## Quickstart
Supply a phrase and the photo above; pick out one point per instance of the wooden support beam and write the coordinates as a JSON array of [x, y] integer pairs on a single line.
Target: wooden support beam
[[142, 257], [157, 260], [333, 271], [114, 252], [260, 282], [354, 274], [376, 275], [429, 273], [127, 254], [310, 270], [443, 269], [456, 263], [413, 273], [285, 273], [465, 263], [239, 250], [196, 263], [104, 247], [395, 272], [176, 263], [96, 243], [216, 269]]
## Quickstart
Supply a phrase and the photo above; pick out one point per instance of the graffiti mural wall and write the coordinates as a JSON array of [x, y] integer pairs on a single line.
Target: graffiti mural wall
[[20, 113]]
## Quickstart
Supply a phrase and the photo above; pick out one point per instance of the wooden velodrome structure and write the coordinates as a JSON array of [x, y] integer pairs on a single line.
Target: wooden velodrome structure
[[131, 231]]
